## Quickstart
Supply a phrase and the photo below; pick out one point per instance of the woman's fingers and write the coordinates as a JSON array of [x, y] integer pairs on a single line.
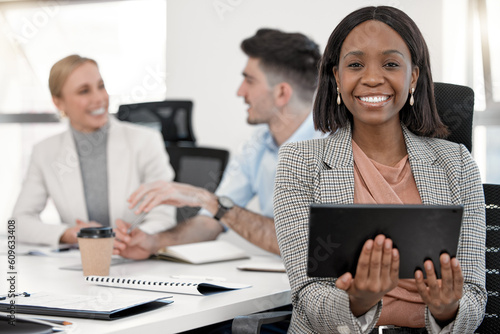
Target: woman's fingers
[[385, 270], [376, 274], [363, 267], [378, 265], [344, 282], [442, 296], [458, 278], [395, 266], [376, 257], [421, 286], [432, 281], [446, 275]]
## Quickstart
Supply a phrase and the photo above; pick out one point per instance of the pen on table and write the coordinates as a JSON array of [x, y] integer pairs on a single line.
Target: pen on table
[[137, 221], [57, 322], [24, 294], [65, 248], [53, 323], [62, 249]]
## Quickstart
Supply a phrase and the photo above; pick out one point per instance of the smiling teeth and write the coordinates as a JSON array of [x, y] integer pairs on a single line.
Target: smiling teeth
[[99, 111], [374, 99]]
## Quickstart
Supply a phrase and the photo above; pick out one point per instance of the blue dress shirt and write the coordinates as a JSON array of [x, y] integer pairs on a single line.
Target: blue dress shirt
[[251, 173]]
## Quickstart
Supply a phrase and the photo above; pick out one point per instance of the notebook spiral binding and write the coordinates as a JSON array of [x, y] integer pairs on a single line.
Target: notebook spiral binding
[[133, 281], [185, 287]]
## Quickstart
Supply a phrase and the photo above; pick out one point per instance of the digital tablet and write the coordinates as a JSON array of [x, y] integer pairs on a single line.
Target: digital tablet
[[337, 234]]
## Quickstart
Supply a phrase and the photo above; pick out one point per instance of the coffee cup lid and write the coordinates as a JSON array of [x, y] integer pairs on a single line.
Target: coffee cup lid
[[96, 232]]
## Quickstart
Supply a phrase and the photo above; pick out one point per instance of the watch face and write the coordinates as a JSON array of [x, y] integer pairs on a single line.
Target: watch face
[[226, 202]]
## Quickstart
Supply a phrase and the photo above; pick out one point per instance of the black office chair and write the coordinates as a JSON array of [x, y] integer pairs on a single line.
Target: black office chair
[[198, 166], [171, 118], [491, 321], [455, 105]]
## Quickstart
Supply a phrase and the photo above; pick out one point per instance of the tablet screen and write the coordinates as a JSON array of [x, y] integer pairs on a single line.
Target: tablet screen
[[419, 232]]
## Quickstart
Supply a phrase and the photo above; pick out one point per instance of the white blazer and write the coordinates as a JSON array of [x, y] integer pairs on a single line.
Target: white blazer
[[135, 155]]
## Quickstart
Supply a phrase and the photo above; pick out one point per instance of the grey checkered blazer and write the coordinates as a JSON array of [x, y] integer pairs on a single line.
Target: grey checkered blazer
[[321, 171]]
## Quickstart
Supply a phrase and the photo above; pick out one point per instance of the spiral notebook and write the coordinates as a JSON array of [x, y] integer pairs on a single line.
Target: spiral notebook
[[191, 287]]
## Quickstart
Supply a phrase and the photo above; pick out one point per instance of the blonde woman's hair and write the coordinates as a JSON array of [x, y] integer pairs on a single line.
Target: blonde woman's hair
[[61, 70]]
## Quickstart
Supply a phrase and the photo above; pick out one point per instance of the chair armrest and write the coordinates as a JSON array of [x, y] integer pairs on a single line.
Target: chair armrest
[[250, 324]]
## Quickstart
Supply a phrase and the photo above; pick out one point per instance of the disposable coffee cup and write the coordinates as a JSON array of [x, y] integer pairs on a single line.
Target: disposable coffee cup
[[96, 248]]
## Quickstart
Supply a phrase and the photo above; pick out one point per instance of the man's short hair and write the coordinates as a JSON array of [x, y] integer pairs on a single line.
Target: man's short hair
[[289, 57]]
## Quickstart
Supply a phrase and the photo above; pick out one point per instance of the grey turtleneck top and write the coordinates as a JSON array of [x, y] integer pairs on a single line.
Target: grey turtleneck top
[[92, 149]]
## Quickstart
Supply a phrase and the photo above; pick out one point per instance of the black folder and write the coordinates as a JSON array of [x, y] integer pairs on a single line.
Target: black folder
[[419, 232]]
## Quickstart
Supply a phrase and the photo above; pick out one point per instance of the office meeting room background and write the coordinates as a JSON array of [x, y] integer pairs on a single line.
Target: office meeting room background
[[151, 50]]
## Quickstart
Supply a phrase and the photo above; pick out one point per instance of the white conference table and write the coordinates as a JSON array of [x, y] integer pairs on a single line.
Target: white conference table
[[269, 290]]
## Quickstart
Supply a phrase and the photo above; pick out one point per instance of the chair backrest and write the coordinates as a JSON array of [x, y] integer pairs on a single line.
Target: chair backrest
[[491, 322], [172, 118], [199, 166], [455, 105]]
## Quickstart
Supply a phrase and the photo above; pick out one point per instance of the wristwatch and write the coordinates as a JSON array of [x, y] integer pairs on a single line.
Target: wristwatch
[[225, 204]]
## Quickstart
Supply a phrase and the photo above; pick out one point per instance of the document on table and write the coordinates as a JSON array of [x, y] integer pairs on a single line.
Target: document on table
[[203, 252], [83, 306]]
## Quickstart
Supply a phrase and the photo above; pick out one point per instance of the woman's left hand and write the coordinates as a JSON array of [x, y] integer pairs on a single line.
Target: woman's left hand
[[442, 296], [70, 235]]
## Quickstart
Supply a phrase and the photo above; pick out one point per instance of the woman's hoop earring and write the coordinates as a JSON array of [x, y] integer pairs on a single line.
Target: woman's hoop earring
[[339, 101], [412, 100]]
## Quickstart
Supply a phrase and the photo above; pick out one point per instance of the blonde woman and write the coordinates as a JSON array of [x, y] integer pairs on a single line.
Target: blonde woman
[[89, 170]]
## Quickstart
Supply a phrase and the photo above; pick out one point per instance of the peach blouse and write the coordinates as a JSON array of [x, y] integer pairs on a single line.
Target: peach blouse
[[375, 183]]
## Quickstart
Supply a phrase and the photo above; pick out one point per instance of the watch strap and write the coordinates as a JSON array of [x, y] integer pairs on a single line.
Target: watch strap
[[220, 212], [223, 208]]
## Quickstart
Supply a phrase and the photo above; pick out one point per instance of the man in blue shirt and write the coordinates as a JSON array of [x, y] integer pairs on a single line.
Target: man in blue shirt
[[279, 82]]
